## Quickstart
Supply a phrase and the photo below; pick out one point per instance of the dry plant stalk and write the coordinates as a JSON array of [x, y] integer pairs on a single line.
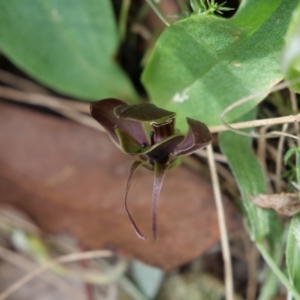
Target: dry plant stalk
[[272, 134], [59, 105], [27, 265], [222, 226], [60, 260], [279, 159], [261, 154]]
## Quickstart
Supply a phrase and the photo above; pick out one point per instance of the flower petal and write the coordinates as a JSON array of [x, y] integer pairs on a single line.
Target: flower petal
[[144, 112], [197, 137], [103, 112], [159, 174], [158, 152], [129, 145], [164, 130], [135, 165]]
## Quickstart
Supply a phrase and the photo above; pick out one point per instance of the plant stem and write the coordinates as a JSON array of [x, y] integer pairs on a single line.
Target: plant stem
[[284, 280], [222, 226], [158, 12], [256, 123], [123, 18]]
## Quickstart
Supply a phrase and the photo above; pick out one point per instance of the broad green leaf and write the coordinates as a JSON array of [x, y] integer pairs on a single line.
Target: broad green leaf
[[202, 64], [250, 179], [291, 55], [67, 45], [293, 252], [147, 277]]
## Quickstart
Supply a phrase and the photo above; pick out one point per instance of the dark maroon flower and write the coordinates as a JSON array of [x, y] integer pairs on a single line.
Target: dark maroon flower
[[148, 132]]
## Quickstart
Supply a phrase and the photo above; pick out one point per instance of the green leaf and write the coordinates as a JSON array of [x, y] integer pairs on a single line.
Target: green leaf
[[289, 154], [293, 252], [202, 64], [129, 145], [66, 45], [103, 112], [197, 137], [291, 55], [147, 277], [250, 179]]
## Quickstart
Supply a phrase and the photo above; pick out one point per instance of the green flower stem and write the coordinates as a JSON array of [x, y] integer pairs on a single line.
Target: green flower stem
[[123, 18], [284, 280], [158, 12]]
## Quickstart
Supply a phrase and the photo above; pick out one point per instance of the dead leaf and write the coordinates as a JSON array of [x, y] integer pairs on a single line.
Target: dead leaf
[[70, 178], [285, 204]]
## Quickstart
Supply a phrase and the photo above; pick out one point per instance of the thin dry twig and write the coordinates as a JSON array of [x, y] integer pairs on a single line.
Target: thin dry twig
[[227, 175], [261, 154], [48, 101], [283, 184], [252, 256], [267, 122], [32, 87], [272, 151], [217, 156], [278, 169], [255, 123], [27, 265], [222, 225], [15, 219], [60, 260], [61, 106], [21, 83]]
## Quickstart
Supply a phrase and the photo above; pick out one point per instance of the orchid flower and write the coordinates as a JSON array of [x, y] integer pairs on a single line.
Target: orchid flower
[[148, 132]]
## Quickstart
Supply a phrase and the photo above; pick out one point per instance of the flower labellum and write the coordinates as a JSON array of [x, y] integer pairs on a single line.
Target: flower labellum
[[148, 132]]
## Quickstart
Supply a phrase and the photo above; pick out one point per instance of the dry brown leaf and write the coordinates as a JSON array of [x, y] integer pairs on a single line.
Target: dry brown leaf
[[70, 178], [285, 204]]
